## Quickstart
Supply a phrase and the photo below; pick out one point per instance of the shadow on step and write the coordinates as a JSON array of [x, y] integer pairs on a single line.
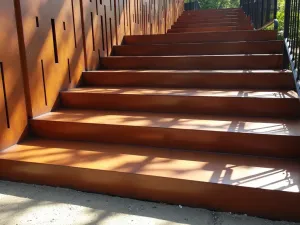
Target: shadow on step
[[235, 170]]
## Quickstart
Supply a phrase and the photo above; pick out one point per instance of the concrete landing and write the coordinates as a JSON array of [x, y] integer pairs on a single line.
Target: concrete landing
[[25, 204]]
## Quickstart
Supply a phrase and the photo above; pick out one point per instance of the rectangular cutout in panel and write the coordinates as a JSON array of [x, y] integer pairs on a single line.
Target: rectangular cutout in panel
[[116, 35], [154, 9], [4, 94], [100, 2], [37, 21], [64, 25], [119, 8], [69, 71], [134, 15], [141, 14], [102, 32], [137, 12], [127, 17], [97, 10], [110, 5], [44, 82], [111, 34], [73, 18], [105, 20], [146, 15], [124, 14], [93, 34], [54, 41]]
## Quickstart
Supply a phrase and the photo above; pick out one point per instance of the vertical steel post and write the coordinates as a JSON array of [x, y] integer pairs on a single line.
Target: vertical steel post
[[286, 33], [275, 9], [262, 12]]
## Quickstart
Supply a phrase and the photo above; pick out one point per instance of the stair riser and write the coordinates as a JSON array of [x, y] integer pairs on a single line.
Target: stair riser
[[201, 37], [232, 24], [210, 11], [200, 49], [205, 29], [213, 10], [184, 104], [174, 191], [226, 142], [212, 20], [194, 62], [176, 80], [208, 16]]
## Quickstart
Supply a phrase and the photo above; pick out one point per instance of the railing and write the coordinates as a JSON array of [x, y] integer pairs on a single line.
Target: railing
[[291, 58], [191, 5], [261, 12]]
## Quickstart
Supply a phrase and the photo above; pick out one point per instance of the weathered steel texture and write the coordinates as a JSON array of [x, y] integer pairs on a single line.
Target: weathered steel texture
[[13, 119], [52, 49]]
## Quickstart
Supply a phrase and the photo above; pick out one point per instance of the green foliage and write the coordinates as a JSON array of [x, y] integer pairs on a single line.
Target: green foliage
[[280, 14], [216, 4], [280, 18]]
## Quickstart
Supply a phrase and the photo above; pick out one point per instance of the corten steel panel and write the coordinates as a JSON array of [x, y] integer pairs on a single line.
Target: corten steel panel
[[13, 118], [99, 29], [113, 19], [154, 16], [53, 49]]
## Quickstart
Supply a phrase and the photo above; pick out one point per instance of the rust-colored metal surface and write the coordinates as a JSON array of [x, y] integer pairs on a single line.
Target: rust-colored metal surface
[[247, 104], [219, 79], [264, 35], [52, 46], [229, 134], [187, 62], [256, 186], [255, 47], [106, 22], [13, 116], [212, 102], [58, 40]]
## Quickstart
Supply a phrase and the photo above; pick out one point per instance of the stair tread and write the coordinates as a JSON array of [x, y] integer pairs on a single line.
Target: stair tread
[[202, 43], [192, 56], [201, 33], [227, 169], [236, 124], [191, 71], [186, 92]]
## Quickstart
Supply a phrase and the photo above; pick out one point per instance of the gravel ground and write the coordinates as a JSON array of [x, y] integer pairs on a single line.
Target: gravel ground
[[33, 204]]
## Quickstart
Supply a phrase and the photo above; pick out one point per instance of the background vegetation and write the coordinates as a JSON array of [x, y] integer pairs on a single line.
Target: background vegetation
[[219, 4], [216, 4]]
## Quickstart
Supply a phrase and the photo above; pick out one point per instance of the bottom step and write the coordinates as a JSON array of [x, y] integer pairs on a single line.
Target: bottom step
[[257, 186]]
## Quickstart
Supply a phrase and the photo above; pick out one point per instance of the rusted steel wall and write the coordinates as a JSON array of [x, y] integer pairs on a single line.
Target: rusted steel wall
[[45, 45], [13, 118], [52, 49], [107, 21]]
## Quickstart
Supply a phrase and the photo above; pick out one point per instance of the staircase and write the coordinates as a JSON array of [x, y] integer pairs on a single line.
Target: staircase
[[202, 116]]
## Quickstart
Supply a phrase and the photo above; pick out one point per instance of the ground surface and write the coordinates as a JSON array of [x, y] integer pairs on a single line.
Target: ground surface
[[24, 204]]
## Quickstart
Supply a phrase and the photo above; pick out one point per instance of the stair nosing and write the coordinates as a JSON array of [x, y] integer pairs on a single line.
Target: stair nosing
[[43, 118], [242, 72], [194, 56], [73, 91], [201, 160], [203, 43]]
